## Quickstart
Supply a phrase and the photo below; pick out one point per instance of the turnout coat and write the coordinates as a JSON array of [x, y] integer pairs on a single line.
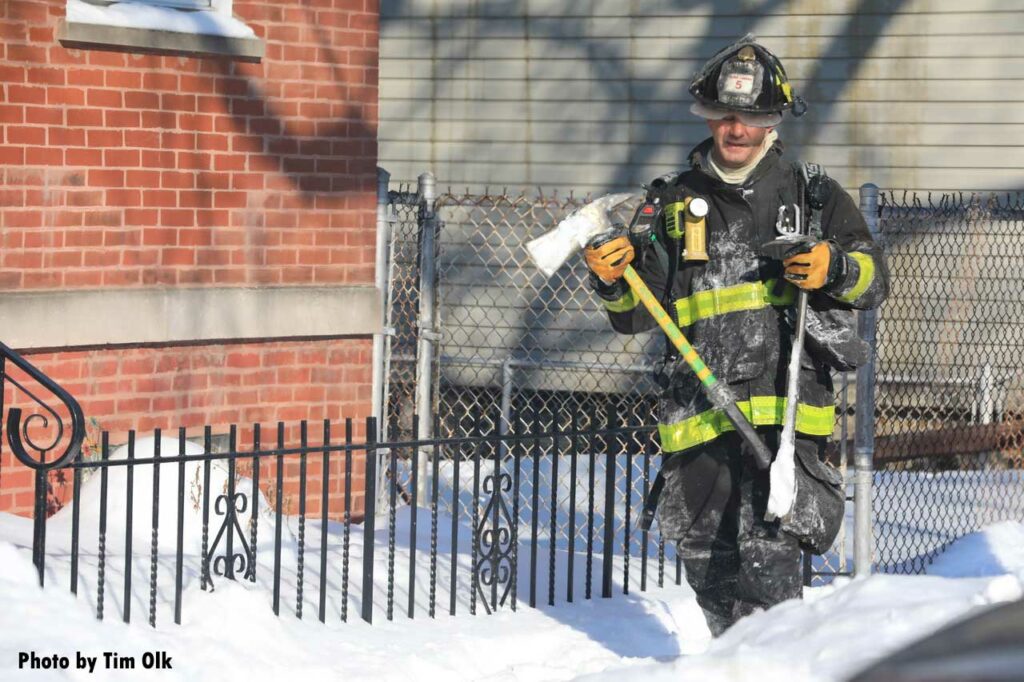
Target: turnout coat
[[735, 309]]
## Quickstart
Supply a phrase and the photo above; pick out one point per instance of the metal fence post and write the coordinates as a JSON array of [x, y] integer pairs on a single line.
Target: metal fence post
[[369, 518], [427, 192], [39, 524], [15, 432], [382, 284], [611, 444], [864, 429]]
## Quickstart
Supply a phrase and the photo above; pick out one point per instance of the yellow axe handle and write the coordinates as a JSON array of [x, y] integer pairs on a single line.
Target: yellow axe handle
[[719, 394]]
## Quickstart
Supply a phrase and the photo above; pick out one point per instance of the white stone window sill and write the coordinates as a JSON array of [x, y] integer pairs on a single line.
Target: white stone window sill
[[147, 27]]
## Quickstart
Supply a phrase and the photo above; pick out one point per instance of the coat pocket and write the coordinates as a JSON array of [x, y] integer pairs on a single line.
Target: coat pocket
[[820, 502], [832, 338], [675, 517]]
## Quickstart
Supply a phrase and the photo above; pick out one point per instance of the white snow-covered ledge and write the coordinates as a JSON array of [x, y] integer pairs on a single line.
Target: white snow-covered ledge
[[136, 24]]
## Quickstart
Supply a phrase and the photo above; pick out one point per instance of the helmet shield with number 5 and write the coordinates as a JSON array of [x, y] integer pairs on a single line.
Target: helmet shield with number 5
[[745, 77]]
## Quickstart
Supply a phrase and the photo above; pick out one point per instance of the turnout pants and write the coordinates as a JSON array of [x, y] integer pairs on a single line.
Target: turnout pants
[[713, 507]]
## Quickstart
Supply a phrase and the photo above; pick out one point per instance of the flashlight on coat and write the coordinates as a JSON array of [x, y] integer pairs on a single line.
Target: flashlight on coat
[[696, 229], [686, 220]]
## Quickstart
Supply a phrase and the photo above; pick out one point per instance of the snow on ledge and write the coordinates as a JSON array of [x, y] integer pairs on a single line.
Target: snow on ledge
[[156, 18]]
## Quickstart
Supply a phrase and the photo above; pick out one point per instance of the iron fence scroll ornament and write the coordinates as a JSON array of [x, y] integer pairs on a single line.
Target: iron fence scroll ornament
[[495, 567], [18, 435], [231, 562], [18, 430]]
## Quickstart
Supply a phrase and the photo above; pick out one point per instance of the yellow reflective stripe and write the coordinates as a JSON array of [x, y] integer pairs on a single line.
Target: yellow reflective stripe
[[760, 410], [623, 304], [704, 304], [786, 298], [810, 419], [783, 83], [700, 428], [867, 274], [745, 296]]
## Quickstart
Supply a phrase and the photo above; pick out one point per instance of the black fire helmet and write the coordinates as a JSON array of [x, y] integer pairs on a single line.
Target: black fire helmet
[[746, 77]]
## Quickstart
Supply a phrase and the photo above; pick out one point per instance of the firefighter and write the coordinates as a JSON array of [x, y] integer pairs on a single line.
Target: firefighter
[[734, 297]]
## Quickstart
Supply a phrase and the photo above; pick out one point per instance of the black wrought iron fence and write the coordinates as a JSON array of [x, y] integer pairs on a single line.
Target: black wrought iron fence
[[156, 521], [55, 424]]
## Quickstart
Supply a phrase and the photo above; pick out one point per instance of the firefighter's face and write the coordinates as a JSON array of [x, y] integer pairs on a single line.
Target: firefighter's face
[[735, 143]]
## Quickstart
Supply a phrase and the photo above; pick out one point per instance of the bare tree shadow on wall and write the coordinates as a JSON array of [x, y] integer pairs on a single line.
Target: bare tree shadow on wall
[[316, 162], [613, 67], [612, 63]]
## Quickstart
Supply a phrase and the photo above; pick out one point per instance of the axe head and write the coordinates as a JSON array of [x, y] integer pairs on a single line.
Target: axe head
[[550, 251]]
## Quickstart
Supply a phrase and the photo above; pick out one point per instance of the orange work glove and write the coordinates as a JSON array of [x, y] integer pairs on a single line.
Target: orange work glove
[[608, 259], [813, 266]]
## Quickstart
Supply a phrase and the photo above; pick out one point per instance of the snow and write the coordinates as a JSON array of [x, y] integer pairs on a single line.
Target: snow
[[654, 635], [156, 18], [997, 550]]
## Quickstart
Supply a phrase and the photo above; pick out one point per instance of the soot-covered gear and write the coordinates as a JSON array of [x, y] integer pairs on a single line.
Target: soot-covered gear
[[713, 503], [746, 77], [737, 311], [734, 309]]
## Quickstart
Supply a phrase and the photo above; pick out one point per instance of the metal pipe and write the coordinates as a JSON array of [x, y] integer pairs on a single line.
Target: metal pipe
[[864, 428], [381, 282], [933, 381], [844, 429], [426, 189], [880, 379], [531, 364], [506, 404], [384, 262]]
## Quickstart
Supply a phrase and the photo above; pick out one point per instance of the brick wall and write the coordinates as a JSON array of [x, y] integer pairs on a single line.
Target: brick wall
[[131, 170]]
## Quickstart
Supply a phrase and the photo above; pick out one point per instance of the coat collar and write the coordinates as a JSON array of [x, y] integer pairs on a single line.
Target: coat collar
[[698, 159]]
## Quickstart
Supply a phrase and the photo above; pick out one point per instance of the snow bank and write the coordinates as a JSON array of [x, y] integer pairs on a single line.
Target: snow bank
[[997, 550], [659, 634]]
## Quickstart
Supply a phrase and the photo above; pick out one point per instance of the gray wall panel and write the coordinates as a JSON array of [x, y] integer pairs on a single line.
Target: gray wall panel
[[591, 94]]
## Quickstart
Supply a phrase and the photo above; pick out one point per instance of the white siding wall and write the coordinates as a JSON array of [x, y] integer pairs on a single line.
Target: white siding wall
[[591, 94]]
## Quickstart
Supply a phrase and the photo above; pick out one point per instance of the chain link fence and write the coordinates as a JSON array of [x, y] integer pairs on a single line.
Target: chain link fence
[[402, 304], [950, 382], [511, 346], [514, 342]]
